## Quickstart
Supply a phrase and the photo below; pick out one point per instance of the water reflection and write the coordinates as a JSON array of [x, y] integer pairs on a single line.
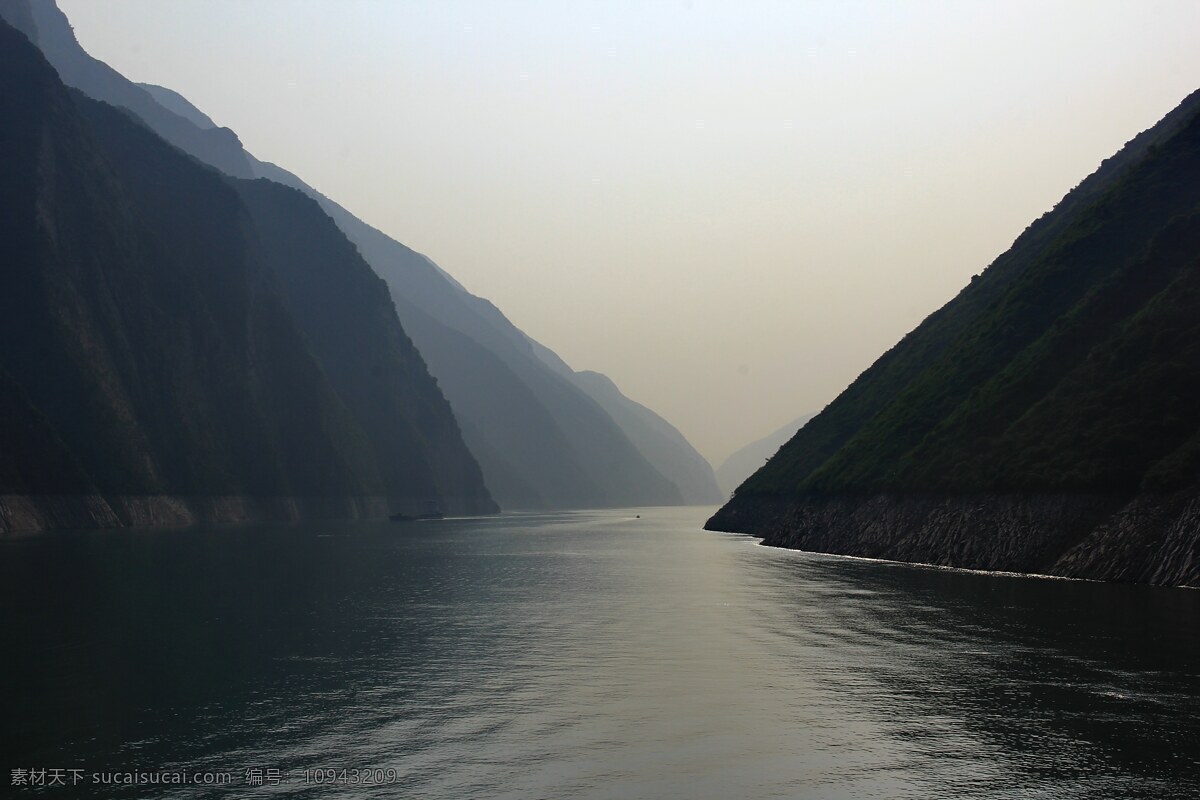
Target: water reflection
[[589, 655], [1092, 689]]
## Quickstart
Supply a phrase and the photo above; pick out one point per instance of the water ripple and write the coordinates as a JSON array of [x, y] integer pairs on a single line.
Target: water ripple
[[591, 655]]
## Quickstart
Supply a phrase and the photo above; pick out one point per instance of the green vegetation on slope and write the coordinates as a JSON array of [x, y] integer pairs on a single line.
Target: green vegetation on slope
[[1069, 364]]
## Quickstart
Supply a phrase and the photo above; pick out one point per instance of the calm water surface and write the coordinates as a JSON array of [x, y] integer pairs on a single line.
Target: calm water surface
[[583, 655]]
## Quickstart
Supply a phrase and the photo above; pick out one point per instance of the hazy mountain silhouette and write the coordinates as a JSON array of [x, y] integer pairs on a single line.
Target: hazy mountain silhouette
[[744, 462], [540, 438], [217, 146], [152, 369], [347, 316], [657, 440], [1047, 418], [529, 423], [178, 104], [18, 14]]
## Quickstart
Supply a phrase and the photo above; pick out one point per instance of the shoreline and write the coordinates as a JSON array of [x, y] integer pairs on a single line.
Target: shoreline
[[1109, 538]]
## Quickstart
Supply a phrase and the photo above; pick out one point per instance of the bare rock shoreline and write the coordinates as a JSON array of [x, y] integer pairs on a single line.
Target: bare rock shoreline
[[1145, 538], [30, 513]]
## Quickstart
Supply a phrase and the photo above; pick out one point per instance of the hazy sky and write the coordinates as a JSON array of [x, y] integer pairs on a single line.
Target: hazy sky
[[730, 209]]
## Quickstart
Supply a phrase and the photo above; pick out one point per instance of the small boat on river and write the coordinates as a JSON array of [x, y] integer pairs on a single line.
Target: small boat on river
[[432, 511]]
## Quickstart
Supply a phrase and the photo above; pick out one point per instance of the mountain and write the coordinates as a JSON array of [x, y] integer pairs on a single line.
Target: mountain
[[1047, 419], [657, 440], [158, 363], [541, 440], [745, 462], [178, 104], [56, 39], [346, 314]]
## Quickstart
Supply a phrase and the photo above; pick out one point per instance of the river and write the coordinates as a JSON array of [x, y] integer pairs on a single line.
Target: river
[[608, 654]]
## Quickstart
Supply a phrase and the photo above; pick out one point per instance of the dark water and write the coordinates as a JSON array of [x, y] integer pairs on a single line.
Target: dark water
[[583, 655]]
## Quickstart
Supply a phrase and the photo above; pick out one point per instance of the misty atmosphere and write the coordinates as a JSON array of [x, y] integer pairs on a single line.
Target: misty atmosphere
[[676, 400]]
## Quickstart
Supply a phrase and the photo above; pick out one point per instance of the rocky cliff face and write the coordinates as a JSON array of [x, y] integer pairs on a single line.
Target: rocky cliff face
[[1145, 539]]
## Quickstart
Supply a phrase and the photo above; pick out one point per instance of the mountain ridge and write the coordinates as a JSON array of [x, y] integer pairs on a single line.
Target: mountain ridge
[[585, 458], [152, 371], [1062, 375], [746, 460], [431, 301]]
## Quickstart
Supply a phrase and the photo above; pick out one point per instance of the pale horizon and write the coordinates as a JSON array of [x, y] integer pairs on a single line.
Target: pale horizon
[[729, 214]]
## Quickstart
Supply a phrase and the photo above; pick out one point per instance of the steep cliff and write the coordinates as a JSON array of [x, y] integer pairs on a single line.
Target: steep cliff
[[1047, 419], [347, 316], [540, 438], [152, 369], [55, 37], [657, 440]]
